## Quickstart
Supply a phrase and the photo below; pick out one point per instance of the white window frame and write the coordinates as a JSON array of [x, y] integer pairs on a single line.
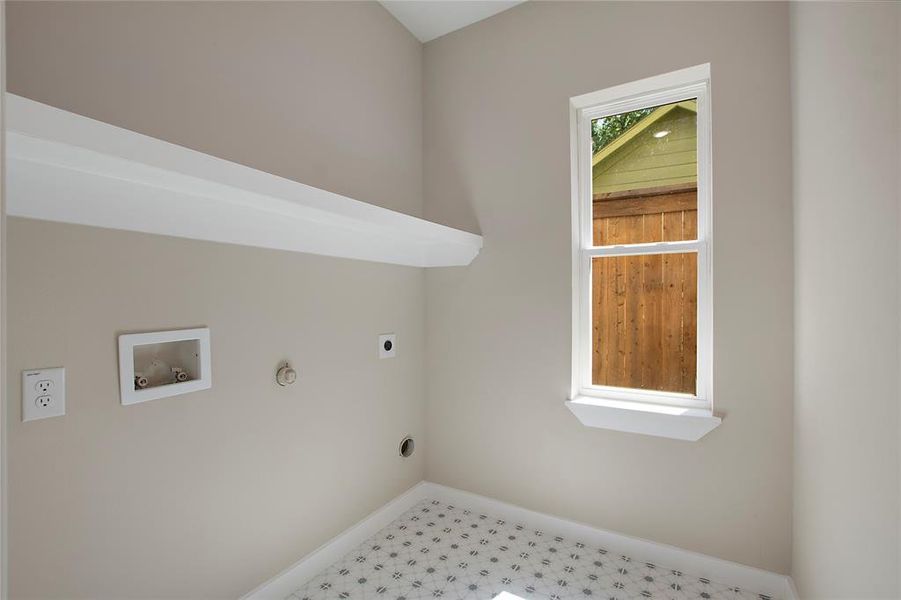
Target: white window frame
[[685, 84]]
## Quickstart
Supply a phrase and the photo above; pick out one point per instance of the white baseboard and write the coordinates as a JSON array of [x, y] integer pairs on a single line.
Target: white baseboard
[[333, 550], [791, 590], [694, 563]]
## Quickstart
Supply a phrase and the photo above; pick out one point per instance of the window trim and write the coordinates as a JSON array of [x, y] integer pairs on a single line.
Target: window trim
[[693, 82]]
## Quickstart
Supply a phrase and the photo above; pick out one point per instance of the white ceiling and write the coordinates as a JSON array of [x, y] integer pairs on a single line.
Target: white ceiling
[[429, 19]]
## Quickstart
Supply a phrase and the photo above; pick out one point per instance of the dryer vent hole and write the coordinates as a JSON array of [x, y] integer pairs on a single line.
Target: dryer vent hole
[[406, 447]]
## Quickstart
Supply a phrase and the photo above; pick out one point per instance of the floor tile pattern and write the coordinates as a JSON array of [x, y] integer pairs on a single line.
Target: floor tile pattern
[[436, 550]]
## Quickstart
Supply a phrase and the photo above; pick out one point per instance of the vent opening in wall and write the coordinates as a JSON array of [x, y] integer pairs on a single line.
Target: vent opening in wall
[[406, 447]]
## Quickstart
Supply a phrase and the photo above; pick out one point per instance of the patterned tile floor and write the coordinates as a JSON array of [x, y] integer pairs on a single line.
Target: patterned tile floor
[[436, 550]]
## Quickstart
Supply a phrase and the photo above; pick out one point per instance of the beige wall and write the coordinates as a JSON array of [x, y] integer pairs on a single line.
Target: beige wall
[[209, 494], [497, 158], [4, 502], [845, 61]]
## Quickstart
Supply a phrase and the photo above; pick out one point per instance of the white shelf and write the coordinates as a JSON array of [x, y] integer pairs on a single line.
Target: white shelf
[[65, 167]]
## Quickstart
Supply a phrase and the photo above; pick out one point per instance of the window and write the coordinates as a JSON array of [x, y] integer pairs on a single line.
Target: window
[[642, 314]]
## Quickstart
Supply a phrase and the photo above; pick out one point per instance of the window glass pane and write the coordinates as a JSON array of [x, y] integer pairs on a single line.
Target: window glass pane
[[644, 321], [644, 171]]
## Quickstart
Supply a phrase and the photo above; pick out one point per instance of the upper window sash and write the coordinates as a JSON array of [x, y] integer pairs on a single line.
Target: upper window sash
[[586, 115]]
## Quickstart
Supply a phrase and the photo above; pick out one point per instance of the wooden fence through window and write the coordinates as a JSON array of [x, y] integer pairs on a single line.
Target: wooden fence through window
[[644, 308]]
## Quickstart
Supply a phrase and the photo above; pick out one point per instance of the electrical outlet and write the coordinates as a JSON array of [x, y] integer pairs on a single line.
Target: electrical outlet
[[387, 345], [43, 393]]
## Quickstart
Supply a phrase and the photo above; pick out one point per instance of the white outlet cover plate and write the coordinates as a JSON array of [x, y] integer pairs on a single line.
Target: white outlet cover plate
[[43, 393], [387, 337]]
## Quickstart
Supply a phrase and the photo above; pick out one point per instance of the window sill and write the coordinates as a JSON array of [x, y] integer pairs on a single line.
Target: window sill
[[673, 422]]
